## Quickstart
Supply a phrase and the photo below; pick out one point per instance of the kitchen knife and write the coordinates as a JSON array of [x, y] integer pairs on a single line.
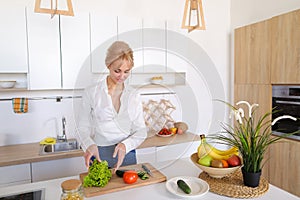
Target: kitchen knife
[[147, 170]]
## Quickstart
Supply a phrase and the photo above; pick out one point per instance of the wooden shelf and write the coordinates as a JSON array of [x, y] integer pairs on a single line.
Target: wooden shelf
[[13, 89], [168, 78]]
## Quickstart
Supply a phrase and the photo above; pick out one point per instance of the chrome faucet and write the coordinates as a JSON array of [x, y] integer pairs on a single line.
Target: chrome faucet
[[63, 137]]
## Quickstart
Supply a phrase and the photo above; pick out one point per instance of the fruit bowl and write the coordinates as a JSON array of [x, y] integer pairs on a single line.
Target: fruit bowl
[[213, 171]]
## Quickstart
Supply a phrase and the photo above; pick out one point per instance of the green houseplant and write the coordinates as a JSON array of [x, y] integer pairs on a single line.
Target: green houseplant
[[251, 136]]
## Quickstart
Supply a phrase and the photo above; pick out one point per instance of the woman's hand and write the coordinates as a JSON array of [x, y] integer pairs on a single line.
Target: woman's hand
[[91, 151], [120, 150]]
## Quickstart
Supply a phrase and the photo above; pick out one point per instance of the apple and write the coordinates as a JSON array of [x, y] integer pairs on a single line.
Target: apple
[[206, 160], [234, 160]]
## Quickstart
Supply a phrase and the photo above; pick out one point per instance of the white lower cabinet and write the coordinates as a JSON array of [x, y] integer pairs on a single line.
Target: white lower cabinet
[[166, 153], [146, 155], [176, 151], [15, 174], [57, 168]]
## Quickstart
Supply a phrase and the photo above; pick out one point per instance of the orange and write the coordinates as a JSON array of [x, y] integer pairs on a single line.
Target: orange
[[224, 163]]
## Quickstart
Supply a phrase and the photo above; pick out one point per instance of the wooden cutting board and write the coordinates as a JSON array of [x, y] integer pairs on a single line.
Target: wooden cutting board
[[117, 184]]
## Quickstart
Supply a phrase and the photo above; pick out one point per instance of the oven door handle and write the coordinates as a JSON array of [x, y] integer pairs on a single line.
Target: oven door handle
[[287, 102]]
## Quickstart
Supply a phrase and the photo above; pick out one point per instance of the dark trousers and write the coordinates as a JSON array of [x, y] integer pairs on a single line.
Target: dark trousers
[[106, 153]]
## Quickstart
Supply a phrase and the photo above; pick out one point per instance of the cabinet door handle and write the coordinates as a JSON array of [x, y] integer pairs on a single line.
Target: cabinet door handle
[[287, 102]]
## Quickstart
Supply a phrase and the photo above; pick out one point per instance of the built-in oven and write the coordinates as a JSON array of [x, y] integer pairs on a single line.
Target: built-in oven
[[38, 194], [286, 100]]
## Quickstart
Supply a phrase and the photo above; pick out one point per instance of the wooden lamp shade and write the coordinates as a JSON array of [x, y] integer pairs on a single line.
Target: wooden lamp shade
[[193, 6], [54, 11]]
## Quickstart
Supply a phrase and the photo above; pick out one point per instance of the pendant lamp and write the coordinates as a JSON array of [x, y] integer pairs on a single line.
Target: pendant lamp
[[53, 8], [193, 17]]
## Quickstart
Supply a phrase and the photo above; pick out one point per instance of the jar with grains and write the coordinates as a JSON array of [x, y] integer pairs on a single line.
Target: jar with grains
[[72, 190]]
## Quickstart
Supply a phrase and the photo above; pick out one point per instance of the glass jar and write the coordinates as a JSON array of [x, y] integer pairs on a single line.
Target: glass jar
[[72, 190]]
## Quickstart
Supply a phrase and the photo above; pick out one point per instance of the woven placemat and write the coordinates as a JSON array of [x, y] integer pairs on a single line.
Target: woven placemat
[[233, 186]]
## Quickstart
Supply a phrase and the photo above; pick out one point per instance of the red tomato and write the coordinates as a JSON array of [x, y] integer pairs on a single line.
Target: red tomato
[[164, 131], [130, 177]]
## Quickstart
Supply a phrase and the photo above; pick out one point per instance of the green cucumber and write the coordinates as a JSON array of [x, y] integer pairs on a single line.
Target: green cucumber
[[120, 172], [183, 186], [143, 175]]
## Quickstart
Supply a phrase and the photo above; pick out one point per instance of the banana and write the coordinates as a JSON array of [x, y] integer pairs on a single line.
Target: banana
[[232, 150], [201, 150], [216, 156], [206, 148]]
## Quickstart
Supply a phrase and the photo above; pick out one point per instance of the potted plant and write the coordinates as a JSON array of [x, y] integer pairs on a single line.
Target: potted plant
[[251, 136]]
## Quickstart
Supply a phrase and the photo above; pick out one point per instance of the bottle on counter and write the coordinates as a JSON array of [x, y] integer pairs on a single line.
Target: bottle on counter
[[72, 190]]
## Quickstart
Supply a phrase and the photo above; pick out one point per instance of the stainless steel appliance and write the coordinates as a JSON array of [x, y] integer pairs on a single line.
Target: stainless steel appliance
[[286, 100], [28, 195]]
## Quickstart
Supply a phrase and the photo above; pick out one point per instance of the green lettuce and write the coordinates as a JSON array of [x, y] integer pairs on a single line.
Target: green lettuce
[[98, 175]]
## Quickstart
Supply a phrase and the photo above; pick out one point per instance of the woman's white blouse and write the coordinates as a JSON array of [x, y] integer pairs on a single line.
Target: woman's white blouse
[[100, 124]]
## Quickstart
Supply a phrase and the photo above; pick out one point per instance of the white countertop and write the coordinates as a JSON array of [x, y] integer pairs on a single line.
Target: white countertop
[[181, 167]]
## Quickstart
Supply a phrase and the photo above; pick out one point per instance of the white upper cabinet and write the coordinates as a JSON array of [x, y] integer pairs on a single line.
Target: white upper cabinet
[[130, 31], [154, 41], [174, 62], [75, 50], [44, 51], [107, 29], [59, 50], [103, 33], [13, 43]]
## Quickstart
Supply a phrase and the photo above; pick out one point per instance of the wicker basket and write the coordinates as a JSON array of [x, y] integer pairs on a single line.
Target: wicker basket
[[233, 185]]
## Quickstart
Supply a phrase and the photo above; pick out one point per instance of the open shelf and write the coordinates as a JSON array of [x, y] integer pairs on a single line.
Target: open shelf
[[145, 78]]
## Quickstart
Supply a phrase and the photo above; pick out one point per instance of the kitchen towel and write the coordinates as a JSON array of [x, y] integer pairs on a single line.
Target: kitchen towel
[[20, 105]]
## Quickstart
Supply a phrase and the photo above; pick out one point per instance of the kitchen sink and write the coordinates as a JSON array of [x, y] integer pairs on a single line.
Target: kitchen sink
[[61, 146]]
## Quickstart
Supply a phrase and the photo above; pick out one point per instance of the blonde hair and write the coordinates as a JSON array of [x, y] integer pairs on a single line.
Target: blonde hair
[[128, 56], [118, 50]]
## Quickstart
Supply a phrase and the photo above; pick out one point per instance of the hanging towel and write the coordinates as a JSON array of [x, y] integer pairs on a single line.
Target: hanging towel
[[20, 105]]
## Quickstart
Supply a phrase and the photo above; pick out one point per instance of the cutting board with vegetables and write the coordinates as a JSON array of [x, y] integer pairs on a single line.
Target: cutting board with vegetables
[[117, 184]]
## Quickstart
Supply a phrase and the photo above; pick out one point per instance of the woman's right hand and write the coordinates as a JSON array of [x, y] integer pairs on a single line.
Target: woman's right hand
[[91, 151]]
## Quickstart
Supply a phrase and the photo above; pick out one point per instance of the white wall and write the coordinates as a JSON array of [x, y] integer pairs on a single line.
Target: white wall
[[31, 127], [221, 18], [244, 12], [43, 119], [214, 41], [217, 41]]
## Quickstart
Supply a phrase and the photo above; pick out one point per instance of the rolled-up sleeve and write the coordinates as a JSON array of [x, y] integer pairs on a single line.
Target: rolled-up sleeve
[[85, 125], [138, 127]]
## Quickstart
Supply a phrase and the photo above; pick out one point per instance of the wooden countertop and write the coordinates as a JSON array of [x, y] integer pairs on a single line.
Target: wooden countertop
[[156, 141], [28, 153]]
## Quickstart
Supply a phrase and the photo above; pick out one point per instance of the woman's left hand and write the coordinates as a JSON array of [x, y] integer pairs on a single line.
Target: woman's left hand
[[120, 150]]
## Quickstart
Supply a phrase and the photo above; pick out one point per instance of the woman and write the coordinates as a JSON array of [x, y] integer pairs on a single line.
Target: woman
[[111, 124]]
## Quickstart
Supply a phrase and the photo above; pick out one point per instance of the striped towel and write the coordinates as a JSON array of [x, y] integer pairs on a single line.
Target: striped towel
[[20, 105]]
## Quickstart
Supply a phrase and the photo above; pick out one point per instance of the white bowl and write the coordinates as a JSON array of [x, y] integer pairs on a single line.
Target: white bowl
[[7, 84], [156, 81], [213, 171]]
